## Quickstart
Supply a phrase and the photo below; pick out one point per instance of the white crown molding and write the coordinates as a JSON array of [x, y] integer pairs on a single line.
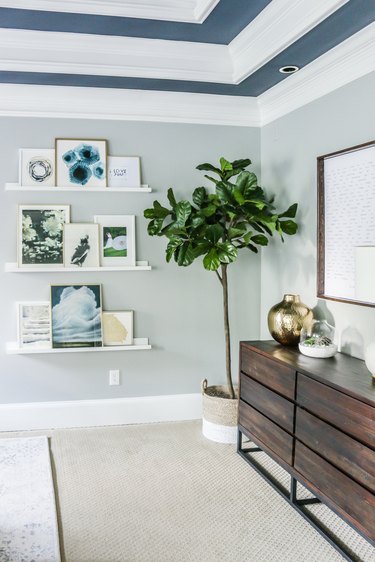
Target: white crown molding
[[92, 413], [77, 53], [283, 20], [22, 100], [188, 11], [350, 60]]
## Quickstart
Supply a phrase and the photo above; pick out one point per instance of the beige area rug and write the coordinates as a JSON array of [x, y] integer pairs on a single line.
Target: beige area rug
[[162, 493]]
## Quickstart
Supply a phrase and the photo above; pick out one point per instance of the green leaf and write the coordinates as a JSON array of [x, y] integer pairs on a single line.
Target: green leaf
[[197, 221], [171, 198], [289, 227], [199, 196], [214, 232], [252, 248], [244, 163], [260, 239], [223, 191], [247, 238], [209, 168], [154, 227], [202, 248], [211, 261], [246, 182], [208, 211], [225, 165], [227, 253], [238, 196], [174, 243], [149, 213], [290, 213], [235, 232], [185, 254], [183, 211], [211, 179]]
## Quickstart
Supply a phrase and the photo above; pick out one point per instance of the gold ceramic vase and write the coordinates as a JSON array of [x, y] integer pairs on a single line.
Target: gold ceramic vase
[[286, 319]]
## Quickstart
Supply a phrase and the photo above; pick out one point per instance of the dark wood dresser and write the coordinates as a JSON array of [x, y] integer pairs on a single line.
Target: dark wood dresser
[[316, 418]]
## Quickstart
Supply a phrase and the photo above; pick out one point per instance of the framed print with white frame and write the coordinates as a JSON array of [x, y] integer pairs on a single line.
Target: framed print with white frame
[[40, 235], [81, 245], [117, 239], [118, 328], [76, 316], [37, 167], [124, 171], [81, 162], [34, 324]]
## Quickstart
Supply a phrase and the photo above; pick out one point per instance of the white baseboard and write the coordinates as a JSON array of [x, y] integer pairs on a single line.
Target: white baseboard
[[90, 413]]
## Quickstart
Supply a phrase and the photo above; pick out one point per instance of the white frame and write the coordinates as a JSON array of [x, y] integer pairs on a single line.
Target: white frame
[[130, 320], [101, 314], [32, 207], [128, 169], [65, 144], [127, 221], [94, 245], [20, 305], [25, 155]]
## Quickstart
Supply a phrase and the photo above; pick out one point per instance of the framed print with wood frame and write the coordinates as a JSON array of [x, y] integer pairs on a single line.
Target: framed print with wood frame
[[40, 235], [37, 167], [81, 245], [34, 324], [76, 316], [117, 239], [124, 171], [118, 328], [81, 162], [346, 225]]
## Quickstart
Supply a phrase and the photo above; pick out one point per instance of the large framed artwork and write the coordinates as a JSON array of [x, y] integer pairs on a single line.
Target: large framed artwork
[[117, 239], [81, 245], [34, 324], [118, 327], [40, 236], [346, 225], [81, 162], [37, 167], [76, 316], [124, 171]]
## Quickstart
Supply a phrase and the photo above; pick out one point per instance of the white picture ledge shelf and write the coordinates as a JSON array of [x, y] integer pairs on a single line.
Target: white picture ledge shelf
[[139, 344], [48, 189], [12, 267]]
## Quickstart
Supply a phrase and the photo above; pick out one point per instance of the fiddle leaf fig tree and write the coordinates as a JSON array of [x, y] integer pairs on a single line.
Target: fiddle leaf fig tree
[[237, 216]]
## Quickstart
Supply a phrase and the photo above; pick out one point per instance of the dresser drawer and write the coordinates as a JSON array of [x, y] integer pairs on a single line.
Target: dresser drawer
[[272, 405], [353, 458], [275, 375], [353, 501], [266, 431], [346, 413]]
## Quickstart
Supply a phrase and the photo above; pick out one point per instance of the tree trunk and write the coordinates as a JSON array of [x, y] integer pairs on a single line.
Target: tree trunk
[[224, 282]]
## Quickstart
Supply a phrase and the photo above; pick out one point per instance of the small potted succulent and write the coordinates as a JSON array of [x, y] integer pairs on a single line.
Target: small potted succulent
[[216, 227]]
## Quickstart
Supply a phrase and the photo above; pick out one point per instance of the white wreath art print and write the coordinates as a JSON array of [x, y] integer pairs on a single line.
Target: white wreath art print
[[117, 240]]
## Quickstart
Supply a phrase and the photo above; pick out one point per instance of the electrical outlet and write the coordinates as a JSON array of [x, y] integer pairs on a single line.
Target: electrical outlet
[[114, 377]]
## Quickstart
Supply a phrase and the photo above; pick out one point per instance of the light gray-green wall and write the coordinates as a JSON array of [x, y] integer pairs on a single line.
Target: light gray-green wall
[[289, 147], [179, 309]]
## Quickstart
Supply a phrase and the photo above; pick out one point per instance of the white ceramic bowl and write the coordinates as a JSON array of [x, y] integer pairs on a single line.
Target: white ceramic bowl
[[321, 352]]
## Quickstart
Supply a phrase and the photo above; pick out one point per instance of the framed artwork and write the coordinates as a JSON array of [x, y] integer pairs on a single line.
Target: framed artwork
[[117, 239], [37, 167], [76, 316], [81, 163], [81, 245], [40, 235], [124, 171], [118, 328], [346, 225], [34, 324]]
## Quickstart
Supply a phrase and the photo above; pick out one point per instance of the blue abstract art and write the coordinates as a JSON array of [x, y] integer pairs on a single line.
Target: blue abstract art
[[81, 163]]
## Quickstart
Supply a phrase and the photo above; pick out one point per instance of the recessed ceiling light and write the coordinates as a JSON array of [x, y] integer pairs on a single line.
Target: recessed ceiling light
[[289, 69]]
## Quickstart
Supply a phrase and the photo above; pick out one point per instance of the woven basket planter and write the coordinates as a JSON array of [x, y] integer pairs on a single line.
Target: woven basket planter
[[220, 414]]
